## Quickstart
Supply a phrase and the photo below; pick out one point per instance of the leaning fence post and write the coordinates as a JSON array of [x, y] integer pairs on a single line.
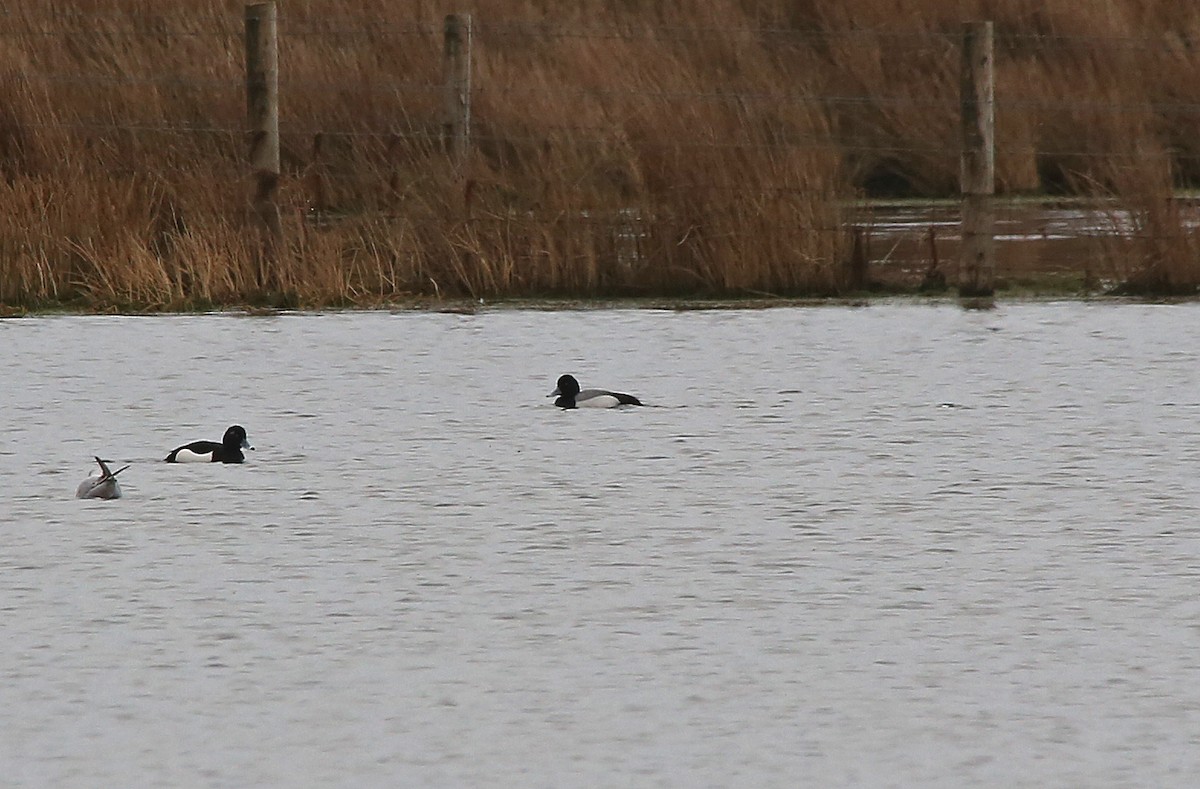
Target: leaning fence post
[[262, 119], [978, 183], [456, 63]]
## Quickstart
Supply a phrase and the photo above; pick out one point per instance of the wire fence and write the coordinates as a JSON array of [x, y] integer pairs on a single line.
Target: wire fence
[[503, 35], [383, 85], [346, 24]]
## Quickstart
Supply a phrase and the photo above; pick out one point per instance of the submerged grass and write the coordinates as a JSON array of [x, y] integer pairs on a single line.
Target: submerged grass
[[677, 148]]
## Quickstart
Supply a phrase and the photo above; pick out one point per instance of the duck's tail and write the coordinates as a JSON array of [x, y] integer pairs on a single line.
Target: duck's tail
[[105, 473]]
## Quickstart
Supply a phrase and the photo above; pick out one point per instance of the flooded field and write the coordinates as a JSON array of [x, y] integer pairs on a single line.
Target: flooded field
[[887, 546], [1069, 248]]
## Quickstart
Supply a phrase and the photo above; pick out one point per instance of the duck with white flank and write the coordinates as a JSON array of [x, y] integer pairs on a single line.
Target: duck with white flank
[[228, 451], [571, 396]]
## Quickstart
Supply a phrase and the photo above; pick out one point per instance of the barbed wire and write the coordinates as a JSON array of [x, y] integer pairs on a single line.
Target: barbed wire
[[163, 26], [384, 87], [568, 135], [661, 225]]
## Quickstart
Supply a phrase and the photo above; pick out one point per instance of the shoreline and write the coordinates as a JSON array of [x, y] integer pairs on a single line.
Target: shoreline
[[662, 304]]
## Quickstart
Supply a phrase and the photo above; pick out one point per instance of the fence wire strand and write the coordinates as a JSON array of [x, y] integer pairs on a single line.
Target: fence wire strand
[[781, 139]]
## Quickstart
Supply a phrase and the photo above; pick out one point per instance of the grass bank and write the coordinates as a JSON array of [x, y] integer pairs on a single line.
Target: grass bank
[[679, 148]]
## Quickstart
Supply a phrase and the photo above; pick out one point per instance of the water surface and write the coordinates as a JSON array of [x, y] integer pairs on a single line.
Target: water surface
[[888, 546]]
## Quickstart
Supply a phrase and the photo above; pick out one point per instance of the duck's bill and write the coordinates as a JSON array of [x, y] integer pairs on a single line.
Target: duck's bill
[[555, 393], [246, 445]]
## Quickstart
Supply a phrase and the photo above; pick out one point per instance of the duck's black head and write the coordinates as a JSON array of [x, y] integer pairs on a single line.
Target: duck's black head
[[235, 438], [566, 391], [567, 386]]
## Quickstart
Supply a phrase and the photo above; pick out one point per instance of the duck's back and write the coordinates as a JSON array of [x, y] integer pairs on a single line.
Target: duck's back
[[195, 452], [98, 488], [601, 398]]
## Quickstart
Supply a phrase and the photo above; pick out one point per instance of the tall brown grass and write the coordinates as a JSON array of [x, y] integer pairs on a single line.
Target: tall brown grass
[[689, 147]]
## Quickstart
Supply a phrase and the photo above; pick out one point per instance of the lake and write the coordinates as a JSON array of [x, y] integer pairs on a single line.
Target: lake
[[896, 545]]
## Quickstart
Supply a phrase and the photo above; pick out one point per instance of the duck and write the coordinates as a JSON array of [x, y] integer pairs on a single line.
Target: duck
[[228, 451], [104, 486], [571, 396]]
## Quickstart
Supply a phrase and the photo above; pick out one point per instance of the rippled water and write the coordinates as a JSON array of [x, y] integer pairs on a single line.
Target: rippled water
[[889, 546]]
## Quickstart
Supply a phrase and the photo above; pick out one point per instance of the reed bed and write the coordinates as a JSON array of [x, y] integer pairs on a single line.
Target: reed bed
[[675, 147]]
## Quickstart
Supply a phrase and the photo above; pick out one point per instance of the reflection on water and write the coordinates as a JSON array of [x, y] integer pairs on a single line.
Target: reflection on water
[[897, 545]]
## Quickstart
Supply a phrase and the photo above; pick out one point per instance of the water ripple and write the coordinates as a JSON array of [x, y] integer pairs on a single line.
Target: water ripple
[[929, 535]]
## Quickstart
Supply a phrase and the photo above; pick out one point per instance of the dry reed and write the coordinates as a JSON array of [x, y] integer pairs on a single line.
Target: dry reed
[[686, 147]]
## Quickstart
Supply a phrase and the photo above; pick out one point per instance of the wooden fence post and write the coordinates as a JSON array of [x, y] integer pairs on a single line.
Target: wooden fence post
[[262, 119], [456, 63], [978, 183], [856, 269]]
